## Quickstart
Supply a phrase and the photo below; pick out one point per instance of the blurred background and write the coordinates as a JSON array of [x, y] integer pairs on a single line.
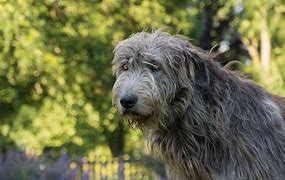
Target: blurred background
[[56, 114]]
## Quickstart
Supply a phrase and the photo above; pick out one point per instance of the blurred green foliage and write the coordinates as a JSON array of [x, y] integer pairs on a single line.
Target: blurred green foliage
[[55, 63]]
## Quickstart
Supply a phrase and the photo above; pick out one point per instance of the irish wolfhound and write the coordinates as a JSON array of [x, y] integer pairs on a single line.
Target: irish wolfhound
[[206, 121]]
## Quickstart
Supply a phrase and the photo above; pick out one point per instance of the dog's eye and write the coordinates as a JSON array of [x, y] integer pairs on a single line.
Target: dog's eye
[[125, 67], [154, 67]]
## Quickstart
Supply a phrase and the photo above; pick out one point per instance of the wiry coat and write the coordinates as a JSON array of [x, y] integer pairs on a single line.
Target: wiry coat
[[206, 121]]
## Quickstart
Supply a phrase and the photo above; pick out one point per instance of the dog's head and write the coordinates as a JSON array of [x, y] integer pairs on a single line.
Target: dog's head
[[156, 74]]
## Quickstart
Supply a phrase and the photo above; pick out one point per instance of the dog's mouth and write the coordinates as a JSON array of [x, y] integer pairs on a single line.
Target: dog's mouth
[[135, 119], [133, 114]]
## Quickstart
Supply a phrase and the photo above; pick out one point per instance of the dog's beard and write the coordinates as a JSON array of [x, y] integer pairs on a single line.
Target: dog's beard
[[137, 121]]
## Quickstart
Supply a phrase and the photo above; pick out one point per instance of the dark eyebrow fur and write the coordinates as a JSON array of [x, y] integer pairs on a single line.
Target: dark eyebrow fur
[[123, 62], [152, 63]]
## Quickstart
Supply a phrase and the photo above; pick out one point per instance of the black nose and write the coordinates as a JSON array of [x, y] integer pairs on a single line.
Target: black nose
[[128, 101]]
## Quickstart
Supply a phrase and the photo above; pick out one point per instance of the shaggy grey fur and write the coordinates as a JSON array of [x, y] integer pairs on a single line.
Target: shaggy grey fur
[[206, 122]]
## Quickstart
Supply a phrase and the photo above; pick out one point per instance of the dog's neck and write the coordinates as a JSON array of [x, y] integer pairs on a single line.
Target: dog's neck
[[187, 148], [183, 152]]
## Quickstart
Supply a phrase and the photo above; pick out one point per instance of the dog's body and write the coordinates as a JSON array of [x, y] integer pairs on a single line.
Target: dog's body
[[206, 121]]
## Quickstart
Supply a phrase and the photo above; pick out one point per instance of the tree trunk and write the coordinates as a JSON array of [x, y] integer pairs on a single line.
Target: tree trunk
[[252, 47], [265, 52], [116, 140]]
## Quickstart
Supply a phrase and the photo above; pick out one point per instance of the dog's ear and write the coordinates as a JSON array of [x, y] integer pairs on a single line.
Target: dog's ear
[[192, 75], [195, 61]]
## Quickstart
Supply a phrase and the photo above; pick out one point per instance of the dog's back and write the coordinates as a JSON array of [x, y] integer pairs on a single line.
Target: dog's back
[[280, 101]]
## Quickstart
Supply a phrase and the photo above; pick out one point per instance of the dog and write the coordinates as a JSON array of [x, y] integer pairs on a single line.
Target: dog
[[206, 122]]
